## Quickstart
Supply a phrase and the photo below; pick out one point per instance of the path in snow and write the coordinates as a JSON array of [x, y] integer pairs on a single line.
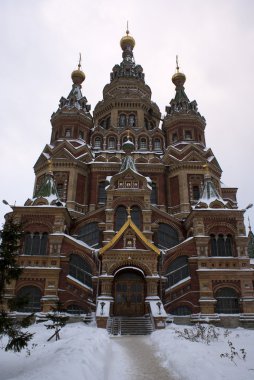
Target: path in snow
[[134, 358]]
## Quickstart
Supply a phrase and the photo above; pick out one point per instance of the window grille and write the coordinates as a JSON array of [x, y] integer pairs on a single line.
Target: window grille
[[227, 301], [90, 234], [178, 270], [167, 236], [32, 299], [80, 270], [221, 245]]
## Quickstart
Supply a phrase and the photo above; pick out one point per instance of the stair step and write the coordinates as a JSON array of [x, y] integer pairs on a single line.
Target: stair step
[[130, 325]]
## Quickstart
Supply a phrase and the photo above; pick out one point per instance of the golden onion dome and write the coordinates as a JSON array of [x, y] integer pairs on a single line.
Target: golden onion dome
[[178, 78], [78, 76], [127, 41]]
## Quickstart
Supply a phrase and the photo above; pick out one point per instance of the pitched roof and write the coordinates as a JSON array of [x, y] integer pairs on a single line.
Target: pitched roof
[[129, 223]]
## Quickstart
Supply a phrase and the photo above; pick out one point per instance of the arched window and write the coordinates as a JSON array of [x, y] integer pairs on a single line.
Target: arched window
[[177, 270], [221, 245], [154, 193], [32, 299], [122, 120], [136, 216], [181, 310], [90, 234], [102, 195], [167, 236], [227, 301], [97, 142], [111, 143], [120, 217], [157, 144], [132, 121], [35, 243], [142, 143], [80, 270]]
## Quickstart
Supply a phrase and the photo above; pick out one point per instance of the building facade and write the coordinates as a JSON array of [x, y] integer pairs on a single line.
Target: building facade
[[129, 215]]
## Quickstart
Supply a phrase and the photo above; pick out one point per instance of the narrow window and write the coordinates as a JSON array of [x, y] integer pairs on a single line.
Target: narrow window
[[59, 188], [111, 143], [196, 193], [120, 217], [122, 120], [67, 133], [143, 143], [97, 143], [188, 135], [136, 216], [154, 194], [132, 121], [102, 195], [157, 144]]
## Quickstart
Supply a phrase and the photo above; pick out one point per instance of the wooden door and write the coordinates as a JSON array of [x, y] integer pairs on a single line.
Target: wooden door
[[129, 295]]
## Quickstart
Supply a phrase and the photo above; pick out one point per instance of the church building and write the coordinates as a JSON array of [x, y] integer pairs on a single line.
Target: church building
[[129, 217]]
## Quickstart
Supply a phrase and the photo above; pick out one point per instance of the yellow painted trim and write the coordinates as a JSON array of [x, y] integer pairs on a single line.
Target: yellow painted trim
[[129, 223]]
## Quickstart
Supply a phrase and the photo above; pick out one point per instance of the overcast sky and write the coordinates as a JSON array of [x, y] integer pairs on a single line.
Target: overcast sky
[[40, 43]]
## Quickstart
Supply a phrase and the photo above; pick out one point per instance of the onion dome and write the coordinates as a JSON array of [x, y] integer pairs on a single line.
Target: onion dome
[[128, 146], [127, 41], [78, 76], [178, 78]]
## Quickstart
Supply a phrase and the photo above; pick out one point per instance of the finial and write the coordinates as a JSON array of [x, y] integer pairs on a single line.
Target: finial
[[128, 134], [127, 40], [79, 63], [177, 64]]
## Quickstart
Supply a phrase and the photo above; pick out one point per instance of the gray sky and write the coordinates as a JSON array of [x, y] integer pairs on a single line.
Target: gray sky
[[40, 42]]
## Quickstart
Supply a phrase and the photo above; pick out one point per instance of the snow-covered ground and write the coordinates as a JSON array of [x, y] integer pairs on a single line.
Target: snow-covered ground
[[88, 353]]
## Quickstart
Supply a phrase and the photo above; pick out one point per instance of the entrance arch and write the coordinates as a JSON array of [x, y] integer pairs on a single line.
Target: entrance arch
[[129, 293]]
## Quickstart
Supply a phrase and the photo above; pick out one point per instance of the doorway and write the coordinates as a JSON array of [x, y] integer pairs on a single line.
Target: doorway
[[129, 294]]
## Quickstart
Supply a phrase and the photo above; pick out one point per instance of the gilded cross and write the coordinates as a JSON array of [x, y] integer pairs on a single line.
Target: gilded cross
[[129, 211]]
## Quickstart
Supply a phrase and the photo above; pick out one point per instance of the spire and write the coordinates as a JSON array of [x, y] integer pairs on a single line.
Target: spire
[[48, 188], [210, 198], [181, 103], [127, 67], [179, 79], [250, 247], [75, 98]]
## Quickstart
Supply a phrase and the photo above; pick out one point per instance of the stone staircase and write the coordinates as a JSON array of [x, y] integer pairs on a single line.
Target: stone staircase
[[130, 325]]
